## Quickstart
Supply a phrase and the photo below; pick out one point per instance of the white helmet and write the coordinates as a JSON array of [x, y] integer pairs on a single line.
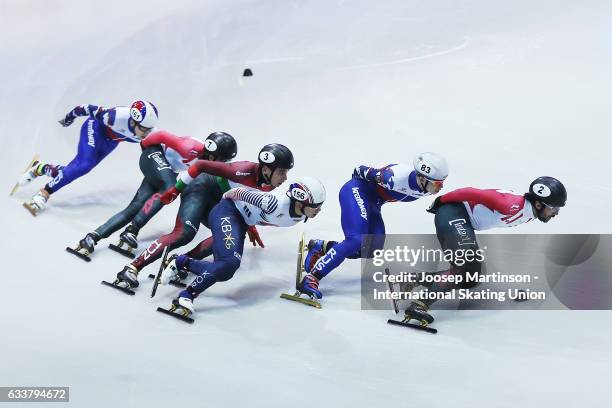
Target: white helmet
[[307, 190], [431, 166], [144, 113]]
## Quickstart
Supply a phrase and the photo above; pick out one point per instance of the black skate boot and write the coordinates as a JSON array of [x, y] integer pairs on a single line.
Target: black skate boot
[[89, 242], [126, 280], [85, 247], [129, 238], [418, 311], [129, 275]]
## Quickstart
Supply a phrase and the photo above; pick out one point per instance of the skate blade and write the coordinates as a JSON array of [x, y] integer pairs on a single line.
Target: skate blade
[[391, 290], [124, 252], [31, 209], [81, 255], [174, 282], [305, 301], [413, 326], [16, 187], [114, 285], [179, 316]]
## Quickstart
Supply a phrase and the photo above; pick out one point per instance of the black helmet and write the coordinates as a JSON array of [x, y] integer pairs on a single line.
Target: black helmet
[[221, 145], [276, 155], [548, 190]]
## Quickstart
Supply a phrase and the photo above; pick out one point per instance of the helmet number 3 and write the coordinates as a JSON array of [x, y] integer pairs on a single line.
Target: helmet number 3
[[267, 157]]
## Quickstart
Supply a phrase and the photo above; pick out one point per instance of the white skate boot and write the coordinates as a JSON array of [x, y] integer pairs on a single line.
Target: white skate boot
[[38, 202], [30, 174]]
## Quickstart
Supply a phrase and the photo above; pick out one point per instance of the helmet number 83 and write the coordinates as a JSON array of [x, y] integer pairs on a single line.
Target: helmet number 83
[[425, 169]]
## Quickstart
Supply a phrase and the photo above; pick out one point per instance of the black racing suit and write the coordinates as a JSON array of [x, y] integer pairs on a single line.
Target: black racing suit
[[158, 177]]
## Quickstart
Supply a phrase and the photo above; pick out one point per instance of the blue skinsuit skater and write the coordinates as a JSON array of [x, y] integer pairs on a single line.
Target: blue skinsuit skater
[[361, 199], [100, 134], [228, 222]]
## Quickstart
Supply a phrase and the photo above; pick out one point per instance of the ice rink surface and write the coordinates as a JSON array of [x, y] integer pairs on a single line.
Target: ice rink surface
[[507, 91]]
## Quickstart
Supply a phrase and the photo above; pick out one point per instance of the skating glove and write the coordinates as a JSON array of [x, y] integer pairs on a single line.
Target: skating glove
[[169, 195], [385, 178], [433, 207], [67, 121], [366, 173], [254, 236]]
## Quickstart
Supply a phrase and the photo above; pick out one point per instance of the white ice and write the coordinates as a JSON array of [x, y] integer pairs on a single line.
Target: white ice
[[507, 91]]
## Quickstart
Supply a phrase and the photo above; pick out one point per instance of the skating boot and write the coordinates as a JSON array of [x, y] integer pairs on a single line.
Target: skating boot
[[181, 307], [38, 202], [316, 249], [172, 272], [130, 236], [184, 301], [310, 286], [88, 243], [31, 173], [418, 311], [86, 246], [127, 238], [129, 275]]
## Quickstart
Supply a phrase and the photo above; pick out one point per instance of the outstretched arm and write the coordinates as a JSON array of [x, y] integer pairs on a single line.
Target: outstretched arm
[[492, 199], [265, 201], [93, 111]]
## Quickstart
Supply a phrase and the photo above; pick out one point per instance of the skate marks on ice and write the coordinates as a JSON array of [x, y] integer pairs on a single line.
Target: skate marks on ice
[[464, 44]]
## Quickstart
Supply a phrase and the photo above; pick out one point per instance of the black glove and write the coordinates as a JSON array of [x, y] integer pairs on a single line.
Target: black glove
[[67, 121], [433, 207]]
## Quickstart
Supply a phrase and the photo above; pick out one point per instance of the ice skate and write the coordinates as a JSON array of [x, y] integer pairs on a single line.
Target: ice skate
[[129, 275], [34, 171], [85, 247], [306, 285], [181, 308], [38, 202], [126, 280], [128, 242], [310, 286], [418, 311], [26, 177], [170, 273], [316, 249]]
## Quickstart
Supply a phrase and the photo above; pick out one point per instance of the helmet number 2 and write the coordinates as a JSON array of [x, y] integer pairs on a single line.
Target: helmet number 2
[[211, 146]]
